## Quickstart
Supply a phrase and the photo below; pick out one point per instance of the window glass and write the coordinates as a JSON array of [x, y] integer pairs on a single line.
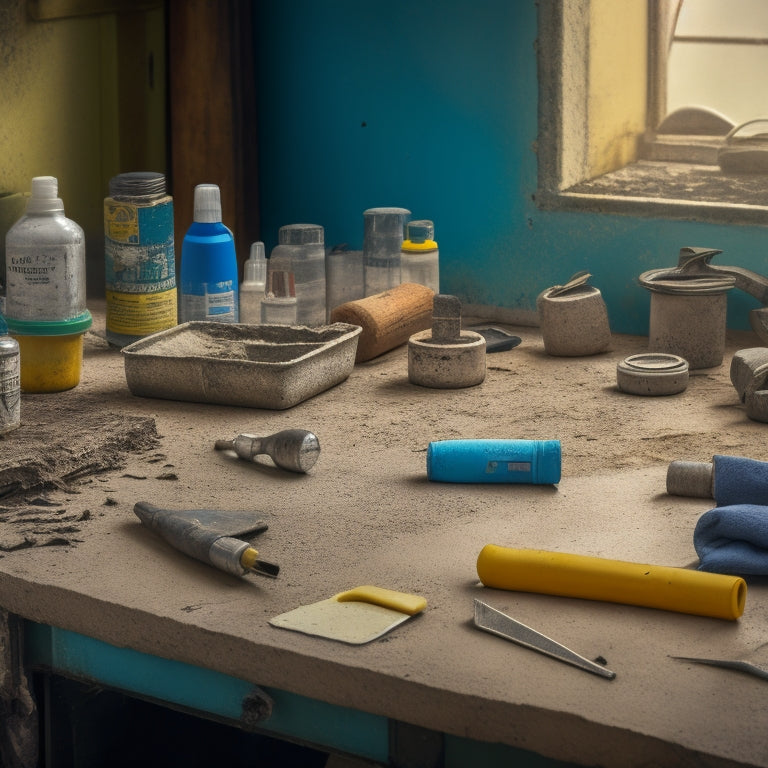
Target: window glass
[[719, 58]]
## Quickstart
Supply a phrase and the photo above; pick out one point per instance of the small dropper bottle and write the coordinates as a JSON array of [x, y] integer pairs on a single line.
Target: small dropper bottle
[[253, 285]]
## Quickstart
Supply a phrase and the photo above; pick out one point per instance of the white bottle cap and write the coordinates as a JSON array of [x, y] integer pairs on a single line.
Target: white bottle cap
[[207, 204], [45, 199]]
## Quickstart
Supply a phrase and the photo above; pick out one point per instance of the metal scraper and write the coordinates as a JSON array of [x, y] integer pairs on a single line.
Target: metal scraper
[[356, 616]]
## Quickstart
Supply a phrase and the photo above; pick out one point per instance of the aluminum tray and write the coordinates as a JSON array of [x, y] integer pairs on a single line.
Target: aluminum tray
[[257, 366]]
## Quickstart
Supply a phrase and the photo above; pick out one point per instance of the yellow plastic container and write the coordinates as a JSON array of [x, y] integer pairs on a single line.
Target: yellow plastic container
[[594, 578], [50, 363], [51, 353]]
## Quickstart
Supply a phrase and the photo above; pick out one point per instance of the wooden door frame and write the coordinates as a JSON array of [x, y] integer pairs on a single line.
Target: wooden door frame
[[212, 112]]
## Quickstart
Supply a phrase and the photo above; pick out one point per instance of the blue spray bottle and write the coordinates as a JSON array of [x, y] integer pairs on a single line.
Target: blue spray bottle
[[209, 287]]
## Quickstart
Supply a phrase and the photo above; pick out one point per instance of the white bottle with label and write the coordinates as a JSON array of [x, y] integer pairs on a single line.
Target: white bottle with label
[[45, 260]]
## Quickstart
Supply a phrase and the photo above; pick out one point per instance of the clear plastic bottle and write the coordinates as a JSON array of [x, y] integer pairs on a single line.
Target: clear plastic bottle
[[45, 284], [301, 251], [382, 238], [253, 286], [209, 282], [139, 257], [279, 307], [343, 277], [419, 256]]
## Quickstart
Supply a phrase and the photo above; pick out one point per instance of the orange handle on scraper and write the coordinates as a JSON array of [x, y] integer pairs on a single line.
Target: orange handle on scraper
[[615, 581]]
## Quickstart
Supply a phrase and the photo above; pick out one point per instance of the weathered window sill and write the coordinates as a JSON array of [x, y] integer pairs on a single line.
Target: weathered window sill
[[669, 190]]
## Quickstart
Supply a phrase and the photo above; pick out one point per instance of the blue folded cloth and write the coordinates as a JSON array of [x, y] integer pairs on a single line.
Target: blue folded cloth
[[733, 540], [738, 480]]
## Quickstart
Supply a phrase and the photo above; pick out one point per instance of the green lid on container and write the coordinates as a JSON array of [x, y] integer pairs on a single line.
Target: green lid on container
[[78, 324]]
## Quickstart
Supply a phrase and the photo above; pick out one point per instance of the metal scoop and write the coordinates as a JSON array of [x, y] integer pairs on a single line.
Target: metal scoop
[[577, 280], [293, 449], [498, 623]]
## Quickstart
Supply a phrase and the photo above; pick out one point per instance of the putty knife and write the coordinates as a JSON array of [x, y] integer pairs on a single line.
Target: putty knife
[[356, 616]]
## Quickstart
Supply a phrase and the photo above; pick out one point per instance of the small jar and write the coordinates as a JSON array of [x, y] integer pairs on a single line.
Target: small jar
[[301, 251], [383, 230]]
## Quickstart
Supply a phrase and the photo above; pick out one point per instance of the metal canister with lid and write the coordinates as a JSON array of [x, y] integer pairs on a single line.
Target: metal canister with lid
[[10, 384], [688, 309], [140, 260]]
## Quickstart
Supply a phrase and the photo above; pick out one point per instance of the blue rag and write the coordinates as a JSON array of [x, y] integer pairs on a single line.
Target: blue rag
[[737, 480], [733, 540]]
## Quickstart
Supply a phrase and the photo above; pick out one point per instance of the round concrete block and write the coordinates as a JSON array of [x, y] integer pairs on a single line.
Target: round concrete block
[[652, 374], [446, 365]]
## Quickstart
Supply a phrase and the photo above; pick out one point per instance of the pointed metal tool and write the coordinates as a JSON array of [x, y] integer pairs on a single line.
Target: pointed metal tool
[[498, 623], [756, 663]]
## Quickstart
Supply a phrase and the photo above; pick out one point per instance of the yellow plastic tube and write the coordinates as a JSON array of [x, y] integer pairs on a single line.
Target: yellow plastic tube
[[615, 581]]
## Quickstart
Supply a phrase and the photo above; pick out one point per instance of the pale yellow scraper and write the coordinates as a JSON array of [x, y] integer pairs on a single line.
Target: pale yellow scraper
[[356, 616]]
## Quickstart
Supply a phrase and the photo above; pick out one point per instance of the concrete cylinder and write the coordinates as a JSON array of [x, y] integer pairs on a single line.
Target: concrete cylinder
[[446, 365], [689, 325], [574, 323]]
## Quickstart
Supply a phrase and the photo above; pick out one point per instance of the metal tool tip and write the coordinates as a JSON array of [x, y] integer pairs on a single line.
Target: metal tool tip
[[264, 568]]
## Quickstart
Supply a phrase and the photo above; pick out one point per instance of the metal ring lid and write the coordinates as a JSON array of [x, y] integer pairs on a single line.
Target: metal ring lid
[[676, 281], [654, 362]]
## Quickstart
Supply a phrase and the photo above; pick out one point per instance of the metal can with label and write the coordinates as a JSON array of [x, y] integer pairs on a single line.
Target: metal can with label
[[10, 384], [140, 259]]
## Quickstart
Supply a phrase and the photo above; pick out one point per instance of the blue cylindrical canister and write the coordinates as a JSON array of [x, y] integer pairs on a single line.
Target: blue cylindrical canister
[[494, 461], [209, 273]]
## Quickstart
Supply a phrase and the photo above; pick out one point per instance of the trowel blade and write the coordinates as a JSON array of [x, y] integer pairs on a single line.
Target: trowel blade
[[234, 523]]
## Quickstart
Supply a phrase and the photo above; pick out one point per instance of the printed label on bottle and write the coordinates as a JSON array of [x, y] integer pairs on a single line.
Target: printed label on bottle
[[138, 246], [10, 392], [220, 306], [140, 314], [44, 282]]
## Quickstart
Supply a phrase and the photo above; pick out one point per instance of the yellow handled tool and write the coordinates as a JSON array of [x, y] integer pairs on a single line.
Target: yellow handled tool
[[616, 581]]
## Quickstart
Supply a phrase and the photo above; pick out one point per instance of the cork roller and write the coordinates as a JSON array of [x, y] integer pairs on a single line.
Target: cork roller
[[388, 319]]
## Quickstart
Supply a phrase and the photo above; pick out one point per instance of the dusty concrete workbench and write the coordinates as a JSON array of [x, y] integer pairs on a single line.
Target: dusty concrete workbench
[[367, 514]]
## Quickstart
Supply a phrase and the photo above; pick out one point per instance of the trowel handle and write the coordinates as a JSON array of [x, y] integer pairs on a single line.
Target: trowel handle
[[296, 450]]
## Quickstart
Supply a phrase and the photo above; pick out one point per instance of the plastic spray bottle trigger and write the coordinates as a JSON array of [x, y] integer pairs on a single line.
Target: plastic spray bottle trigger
[[253, 285], [209, 284]]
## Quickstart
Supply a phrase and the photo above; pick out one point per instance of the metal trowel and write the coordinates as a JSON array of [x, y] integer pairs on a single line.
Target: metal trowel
[[356, 616], [209, 535]]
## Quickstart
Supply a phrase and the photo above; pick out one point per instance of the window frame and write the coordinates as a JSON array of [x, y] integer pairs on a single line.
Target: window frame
[[562, 145]]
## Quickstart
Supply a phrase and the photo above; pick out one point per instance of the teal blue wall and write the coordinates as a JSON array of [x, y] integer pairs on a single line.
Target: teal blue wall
[[432, 105]]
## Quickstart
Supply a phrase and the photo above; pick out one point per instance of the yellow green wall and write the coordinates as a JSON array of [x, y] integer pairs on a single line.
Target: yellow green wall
[[618, 47], [71, 109]]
